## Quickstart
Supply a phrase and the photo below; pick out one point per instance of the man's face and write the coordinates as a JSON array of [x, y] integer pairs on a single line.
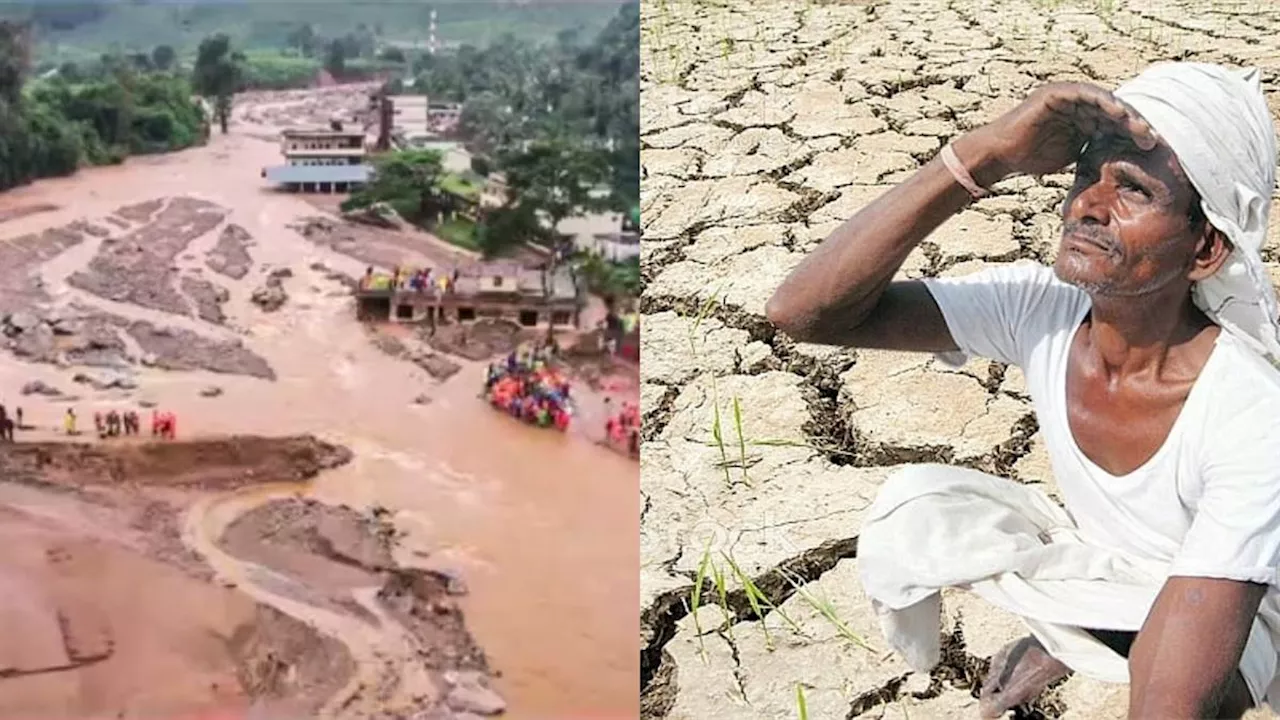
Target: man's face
[[1127, 227]]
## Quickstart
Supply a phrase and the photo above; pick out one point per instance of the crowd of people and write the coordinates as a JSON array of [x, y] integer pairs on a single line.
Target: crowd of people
[[622, 428], [529, 388], [115, 423], [412, 279]]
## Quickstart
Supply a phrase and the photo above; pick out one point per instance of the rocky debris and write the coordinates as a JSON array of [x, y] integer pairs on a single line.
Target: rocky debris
[[212, 391], [139, 268], [436, 365], [207, 298], [230, 256], [89, 228], [182, 349], [104, 381], [39, 387], [378, 214], [759, 138], [271, 295], [140, 212], [479, 340], [21, 286], [469, 692]]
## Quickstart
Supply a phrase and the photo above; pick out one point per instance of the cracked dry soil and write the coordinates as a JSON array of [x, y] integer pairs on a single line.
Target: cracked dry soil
[[763, 127]]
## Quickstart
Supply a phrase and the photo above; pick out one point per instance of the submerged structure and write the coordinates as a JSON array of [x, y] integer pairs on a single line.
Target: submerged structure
[[324, 161], [529, 297]]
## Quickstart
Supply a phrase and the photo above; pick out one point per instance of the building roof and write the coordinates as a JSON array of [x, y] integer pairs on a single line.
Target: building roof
[[324, 152], [319, 173], [321, 133]]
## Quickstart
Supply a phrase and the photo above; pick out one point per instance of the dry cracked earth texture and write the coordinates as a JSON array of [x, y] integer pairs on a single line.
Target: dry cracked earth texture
[[763, 127]]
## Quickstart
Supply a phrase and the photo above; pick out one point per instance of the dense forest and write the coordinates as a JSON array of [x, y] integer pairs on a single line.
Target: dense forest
[[50, 128], [559, 120], [83, 29], [516, 91]]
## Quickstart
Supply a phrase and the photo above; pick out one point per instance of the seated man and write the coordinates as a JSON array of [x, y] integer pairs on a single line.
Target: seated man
[[1149, 351]]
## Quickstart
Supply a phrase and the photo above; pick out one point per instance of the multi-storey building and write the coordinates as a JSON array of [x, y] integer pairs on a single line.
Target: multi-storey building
[[321, 161]]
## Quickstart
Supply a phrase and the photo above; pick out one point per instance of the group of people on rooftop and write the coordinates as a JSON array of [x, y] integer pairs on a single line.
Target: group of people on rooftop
[[414, 279]]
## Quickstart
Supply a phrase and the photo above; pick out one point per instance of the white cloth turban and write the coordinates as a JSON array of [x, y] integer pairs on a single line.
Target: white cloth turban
[[1217, 123]]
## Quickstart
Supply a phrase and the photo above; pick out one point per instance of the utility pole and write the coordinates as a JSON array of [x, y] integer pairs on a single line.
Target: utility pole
[[431, 34]]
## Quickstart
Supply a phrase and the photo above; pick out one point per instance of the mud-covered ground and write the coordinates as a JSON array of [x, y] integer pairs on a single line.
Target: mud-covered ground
[[100, 581], [182, 282], [763, 128]]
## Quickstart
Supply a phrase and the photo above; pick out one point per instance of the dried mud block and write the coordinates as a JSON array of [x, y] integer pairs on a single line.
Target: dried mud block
[[812, 509], [986, 627], [754, 151], [907, 412], [676, 351], [950, 705], [972, 234], [828, 658], [1089, 699], [720, 244]]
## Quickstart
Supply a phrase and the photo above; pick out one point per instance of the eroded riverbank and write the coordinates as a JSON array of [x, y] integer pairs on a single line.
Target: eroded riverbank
[[539, 527]]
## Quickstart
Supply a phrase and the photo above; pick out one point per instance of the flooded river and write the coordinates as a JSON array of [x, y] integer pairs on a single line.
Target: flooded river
[[541, 526]]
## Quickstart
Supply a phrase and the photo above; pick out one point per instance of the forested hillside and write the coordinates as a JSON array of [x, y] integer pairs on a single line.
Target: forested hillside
[[74, 29]]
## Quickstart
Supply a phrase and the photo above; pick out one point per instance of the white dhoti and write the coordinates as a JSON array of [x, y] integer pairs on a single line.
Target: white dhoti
[[937, 526]]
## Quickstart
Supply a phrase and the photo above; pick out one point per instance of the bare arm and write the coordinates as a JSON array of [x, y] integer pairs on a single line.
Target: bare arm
[[830, 297], [1184, 663], [844, 293]]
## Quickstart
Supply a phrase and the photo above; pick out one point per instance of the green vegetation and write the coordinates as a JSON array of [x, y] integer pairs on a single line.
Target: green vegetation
[[415, 185], [78, 30], [218, 74], [458, 231], [515, 91], [52, 127], [611, 278]]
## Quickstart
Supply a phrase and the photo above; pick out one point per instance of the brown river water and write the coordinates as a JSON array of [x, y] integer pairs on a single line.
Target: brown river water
[[542, 526]]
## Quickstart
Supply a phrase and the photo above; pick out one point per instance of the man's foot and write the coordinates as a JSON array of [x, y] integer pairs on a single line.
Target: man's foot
[[1019, 673]]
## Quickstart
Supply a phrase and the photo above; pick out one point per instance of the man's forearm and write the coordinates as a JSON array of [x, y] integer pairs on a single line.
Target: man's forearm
[[1184, 663], [839, 283]]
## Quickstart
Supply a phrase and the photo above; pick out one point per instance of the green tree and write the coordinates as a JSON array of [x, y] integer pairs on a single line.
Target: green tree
[[392, 54], [163, 56], [70, 72], [15, 59], [557, 177], [335, 59], [408, 180], [303, 39], [506, 227], [218, 75]]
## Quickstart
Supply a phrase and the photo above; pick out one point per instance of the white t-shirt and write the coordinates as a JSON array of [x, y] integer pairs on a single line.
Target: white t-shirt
[[1208, 501]]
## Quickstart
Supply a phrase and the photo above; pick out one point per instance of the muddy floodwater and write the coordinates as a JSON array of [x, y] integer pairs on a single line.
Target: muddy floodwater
[[540, 526]]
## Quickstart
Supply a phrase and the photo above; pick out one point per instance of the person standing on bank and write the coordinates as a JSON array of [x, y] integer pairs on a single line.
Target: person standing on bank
[[1149, 350]]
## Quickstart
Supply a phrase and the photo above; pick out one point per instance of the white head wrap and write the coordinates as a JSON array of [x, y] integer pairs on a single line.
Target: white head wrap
[[1217, 123]]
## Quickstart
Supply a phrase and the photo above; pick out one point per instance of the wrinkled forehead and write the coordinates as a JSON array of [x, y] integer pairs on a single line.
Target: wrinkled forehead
[[1159, 163]]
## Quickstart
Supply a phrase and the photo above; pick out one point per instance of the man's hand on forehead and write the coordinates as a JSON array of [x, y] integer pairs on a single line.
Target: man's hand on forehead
[[1048, 130], [1098, 113]]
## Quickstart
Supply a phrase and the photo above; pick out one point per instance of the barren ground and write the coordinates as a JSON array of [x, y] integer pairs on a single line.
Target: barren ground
[[763, 128]]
